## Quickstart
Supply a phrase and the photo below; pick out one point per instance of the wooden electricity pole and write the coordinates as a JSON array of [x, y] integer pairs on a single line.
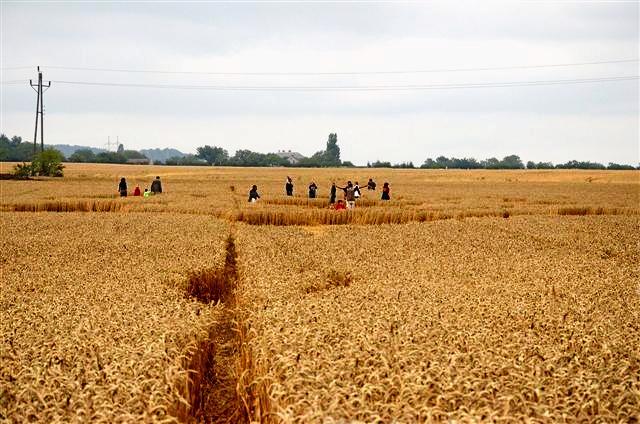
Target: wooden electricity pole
[[39, 88]]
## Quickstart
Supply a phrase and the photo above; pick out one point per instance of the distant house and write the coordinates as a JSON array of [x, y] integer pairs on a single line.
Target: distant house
[[144, 161], [292, 157]]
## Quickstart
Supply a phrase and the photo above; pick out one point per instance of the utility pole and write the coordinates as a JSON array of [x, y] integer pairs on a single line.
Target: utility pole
[[39, 110]]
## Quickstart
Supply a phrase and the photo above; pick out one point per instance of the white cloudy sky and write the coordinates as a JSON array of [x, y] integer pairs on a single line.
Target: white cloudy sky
[[592, 121]]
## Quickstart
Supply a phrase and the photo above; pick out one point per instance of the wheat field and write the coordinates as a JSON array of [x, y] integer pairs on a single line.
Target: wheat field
[[471, 296]]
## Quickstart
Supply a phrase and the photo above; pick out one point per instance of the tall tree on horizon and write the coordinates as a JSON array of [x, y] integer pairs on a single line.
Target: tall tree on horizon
[[332, 152], [213, 155]]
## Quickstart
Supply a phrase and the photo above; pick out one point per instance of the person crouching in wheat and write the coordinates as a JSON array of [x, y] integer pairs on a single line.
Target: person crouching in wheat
[[253, 194]]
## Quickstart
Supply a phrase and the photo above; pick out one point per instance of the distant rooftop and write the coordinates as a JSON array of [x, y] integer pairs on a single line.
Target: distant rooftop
[[292, 157]]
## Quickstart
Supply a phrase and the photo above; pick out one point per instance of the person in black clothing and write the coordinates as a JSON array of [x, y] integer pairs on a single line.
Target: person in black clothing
[[289, 186], [253, 194], [385, 192], [156, 186], [371, 185], [122, 187], [312, 190], [332, 198]]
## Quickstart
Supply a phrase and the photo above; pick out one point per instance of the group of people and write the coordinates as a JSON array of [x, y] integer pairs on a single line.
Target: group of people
[[156, 188], [351, 192]]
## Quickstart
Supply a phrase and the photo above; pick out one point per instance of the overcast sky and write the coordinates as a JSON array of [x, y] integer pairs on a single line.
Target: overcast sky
[[586, 121]]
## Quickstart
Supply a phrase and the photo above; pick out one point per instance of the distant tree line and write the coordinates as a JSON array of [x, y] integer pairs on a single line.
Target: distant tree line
[[510, 162], [119, 156], [186, 160], [14, 149], [217, 156], [442, 162], [574, 164], [43, 163], [379, 164]]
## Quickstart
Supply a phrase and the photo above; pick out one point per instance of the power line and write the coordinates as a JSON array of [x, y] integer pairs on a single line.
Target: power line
[[358, 88], [11, 68], [492, 68]]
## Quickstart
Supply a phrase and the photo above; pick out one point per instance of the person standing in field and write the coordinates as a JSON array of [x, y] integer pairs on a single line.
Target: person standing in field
[[356, 190], [332, 197], [289, 186], [122, 187], [253, 194], [349, 195], [386, 192], [136, 191], [344, 189], [156, 186], [313, 188], [371, 185]]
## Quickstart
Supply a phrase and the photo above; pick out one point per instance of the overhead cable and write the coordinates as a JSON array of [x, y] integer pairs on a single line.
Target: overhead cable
[[356, 87], [420, 71]]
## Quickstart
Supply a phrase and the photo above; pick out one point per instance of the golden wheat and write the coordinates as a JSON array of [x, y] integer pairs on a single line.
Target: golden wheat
[[472, 296], [96, 325], [466, 321]]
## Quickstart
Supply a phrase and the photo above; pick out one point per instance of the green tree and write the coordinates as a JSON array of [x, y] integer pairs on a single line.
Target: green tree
[[511, 162], [430, 164], [324, 158], [379, 164], [404, 165], [540, 165], [574, 164], [48, 163], [110, 157], [83, 156], [619, 167], [332, 153], [213, 155], [187, 160], [14, 149], [442, 161], [132, 154], [491, 163]]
